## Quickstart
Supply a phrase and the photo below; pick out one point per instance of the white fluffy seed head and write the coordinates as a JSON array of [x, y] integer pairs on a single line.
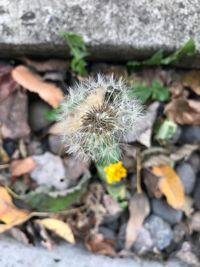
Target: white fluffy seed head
[[96, 115]]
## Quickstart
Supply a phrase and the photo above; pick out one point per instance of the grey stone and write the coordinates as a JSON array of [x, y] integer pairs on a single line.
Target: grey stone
[[164, 211], [37, 115], [55, 144], [161, 232], [107, 233], [190, 134], [187, 175], [194, 161], [35, 148], [118, 30], [144, 242], [49, 171], [14, 254], [197, 194]]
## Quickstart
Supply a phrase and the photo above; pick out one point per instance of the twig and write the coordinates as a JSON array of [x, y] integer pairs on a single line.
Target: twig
[[138, 172]]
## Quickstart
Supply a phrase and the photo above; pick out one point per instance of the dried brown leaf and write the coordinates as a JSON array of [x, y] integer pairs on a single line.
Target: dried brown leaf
[[9, 214], [22, 166], [14, 116], [97, 244], [7, 84], [170, 185], [34, 83], [139, 209], [183, 111], [192, 80], [152, 183]]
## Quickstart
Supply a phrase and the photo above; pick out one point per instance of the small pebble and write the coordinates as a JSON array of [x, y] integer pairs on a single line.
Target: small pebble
[[187, 175], [121, 237], [107, 233], [194, 161], [35, 148], [49, 171], [161, 232], [144, 242], [9, 146], [37, 115], [190, 134], [164, 211], [55, 144], [197, 194]]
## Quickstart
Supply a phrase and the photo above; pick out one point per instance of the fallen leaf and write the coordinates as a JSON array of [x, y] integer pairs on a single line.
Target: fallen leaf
[[7, 84], [60, 228], [155, 156], [183, 152], [97, 244], [22, 166], [34, 83], [42, 199], [192, 80], [19, 235], [145, 126], [170, 185], [9, 214], [188, 206], [183, 111], [14, 116], [139, 209], [152, 183]]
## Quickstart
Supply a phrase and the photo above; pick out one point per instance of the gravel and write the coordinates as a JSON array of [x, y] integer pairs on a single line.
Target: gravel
[[161, 232], [187, 175], [164, 211], [37, 118]]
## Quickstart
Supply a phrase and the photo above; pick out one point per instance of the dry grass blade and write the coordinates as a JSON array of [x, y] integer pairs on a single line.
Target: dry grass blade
[[58, 227], [139, 209]]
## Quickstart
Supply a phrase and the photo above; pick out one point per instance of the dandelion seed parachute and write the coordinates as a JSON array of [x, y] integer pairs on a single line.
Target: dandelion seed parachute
[[95, 117]]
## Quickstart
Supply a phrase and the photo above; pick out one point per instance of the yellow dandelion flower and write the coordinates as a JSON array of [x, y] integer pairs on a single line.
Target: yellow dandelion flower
[[115, 172]]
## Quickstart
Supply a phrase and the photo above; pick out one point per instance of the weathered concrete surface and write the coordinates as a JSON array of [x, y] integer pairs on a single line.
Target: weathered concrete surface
[[113, 29], [14, 254]]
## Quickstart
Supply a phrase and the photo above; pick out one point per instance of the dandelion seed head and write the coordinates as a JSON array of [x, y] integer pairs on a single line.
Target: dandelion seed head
[[96, 114]]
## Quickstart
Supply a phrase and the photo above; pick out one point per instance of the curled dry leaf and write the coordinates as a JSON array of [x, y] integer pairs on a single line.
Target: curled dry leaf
[[9, 214], [97, 244], [22, 166], [192, 80], [139, 209], [170, 185], [14, 115], [34, 83], [7, 84], [183, 152], [152, 183], [58, 227], [183, 111]]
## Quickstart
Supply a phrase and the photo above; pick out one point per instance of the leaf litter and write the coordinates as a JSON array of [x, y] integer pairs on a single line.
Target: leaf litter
[[78, 203]]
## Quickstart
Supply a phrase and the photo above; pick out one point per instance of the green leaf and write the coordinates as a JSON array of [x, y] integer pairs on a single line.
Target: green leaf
[[187, 49], [78, 52], [166, 130], [158, 58], [43, 200], [140, 91], [52, 114], [159, 92]]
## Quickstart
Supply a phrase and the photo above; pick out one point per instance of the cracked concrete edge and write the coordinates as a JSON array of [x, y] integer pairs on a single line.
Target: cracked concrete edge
[[113, 30], [15, 254]]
